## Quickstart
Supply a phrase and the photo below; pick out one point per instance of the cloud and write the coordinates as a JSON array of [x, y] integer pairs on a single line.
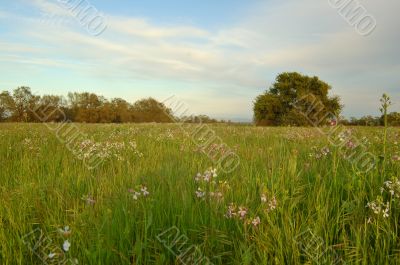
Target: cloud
[[236, 62]]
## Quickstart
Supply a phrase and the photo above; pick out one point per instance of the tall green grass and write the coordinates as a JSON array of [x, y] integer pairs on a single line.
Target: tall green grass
[[43, 185]]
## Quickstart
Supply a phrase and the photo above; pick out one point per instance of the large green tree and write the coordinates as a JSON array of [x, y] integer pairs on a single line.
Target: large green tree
[[297, 100]]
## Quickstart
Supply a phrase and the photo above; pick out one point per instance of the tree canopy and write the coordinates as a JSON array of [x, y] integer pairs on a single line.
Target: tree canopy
[[296, 100]]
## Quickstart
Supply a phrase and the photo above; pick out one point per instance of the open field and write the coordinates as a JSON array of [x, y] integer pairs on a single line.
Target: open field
[[295, 198]]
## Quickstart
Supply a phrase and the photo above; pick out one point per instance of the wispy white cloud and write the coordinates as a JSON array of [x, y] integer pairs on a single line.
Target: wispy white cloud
[[231, 64]]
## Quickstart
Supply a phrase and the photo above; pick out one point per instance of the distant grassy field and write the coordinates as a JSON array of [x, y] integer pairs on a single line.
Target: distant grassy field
[[295, 198]]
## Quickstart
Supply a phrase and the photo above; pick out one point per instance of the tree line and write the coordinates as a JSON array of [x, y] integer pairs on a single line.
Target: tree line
[[21, 105], [393, 120]]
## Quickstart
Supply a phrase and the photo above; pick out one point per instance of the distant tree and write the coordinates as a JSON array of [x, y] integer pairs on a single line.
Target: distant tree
[[51, 109], [24, 103], [7, 106], [86, 107], [150, 110], [198, 119], [121, 111], [368, 121], [106, 114], [344, 121], [294, 96], [393, 119], [2, 112]]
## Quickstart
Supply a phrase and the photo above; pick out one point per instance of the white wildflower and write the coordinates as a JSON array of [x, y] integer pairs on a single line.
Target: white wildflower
[[264, 198], [66, 231], [66, 245], [198, 177], [200, 193], [256, 221], [272, 204], [135, 195], [231, 211], [144, 191]]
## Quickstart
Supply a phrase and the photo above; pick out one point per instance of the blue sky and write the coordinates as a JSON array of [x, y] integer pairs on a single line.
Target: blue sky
[[216, 56]]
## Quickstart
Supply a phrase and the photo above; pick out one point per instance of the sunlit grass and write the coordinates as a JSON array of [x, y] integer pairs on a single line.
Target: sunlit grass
[[43, 185]]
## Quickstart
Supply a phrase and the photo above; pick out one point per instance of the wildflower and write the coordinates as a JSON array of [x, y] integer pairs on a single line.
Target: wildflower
[[133, 144], [200, 193], [263, 198], [392, 187], [135, 195], [350, 144], [379, 207], [256, 221], [198, 177], [207, 177], [144, 191], [214, 173], [51, 255], [242, 212], [217, 194], [66, 245], [89, 200], [325, 151], [374, 207], [65, 231], [231, 211], [272, 204], [386, 213]]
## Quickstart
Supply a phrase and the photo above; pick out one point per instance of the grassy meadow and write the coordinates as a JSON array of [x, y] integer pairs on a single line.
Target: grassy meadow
[[158, 199]]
